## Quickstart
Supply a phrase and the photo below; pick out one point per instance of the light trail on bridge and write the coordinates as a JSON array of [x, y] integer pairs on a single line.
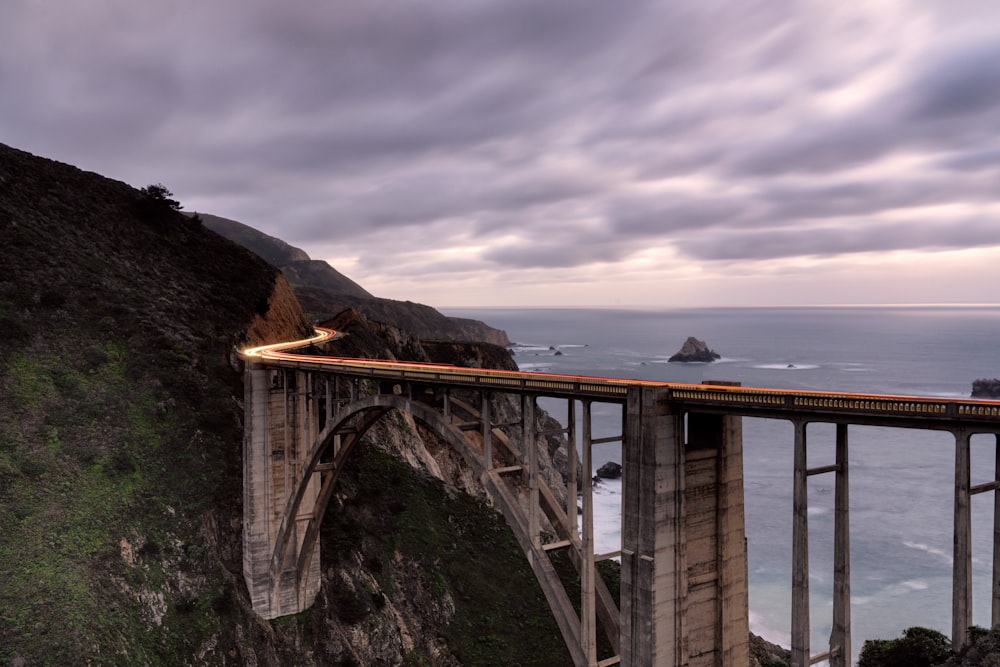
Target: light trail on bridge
[[879, 409]]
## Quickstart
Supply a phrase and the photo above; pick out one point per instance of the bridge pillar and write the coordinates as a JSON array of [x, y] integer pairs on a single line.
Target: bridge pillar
[[281, 421], [961, 600], [684, 570]]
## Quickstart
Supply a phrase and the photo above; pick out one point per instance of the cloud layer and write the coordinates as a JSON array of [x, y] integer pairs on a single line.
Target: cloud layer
[[505, 151]]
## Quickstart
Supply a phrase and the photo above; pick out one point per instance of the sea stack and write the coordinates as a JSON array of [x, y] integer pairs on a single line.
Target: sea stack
[[695, 350]]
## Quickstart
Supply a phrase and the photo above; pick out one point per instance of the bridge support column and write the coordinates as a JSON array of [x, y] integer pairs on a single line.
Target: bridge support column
[[995, 616], [487, 433], [653, 576], [961, 600], [684, 569], [800, 550], [530, 453], [839, 651], [840, 634], [281, 419], [588, 575]]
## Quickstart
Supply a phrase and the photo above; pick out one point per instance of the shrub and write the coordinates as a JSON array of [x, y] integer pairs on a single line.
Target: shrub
[[160, 194], [918, 647]]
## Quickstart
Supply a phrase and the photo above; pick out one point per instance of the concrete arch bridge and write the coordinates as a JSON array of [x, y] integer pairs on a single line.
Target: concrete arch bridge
[[683, 599]]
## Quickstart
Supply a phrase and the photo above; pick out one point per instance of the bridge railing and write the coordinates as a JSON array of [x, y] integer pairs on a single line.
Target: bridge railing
[[874, 409]]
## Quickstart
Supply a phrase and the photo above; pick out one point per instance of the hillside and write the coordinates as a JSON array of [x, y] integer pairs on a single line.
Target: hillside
[[294, 262], [120, 462], [324, 292]]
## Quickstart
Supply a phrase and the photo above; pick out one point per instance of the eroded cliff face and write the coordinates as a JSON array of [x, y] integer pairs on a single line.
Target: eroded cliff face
[[120, 422], [282, 318]]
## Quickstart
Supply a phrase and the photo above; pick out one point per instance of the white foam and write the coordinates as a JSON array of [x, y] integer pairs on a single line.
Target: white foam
[[541, 367], [943, 555], [893, 590]]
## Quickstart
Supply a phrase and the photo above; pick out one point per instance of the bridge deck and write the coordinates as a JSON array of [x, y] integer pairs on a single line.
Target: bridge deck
[[864, 409]]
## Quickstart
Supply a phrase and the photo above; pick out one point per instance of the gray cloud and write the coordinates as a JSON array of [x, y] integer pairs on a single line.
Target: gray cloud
[[828, 241], [552, 134], [963, 82]]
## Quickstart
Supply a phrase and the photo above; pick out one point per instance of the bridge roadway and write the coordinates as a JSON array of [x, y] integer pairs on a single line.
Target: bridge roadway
[[862, 409], [963, 418]]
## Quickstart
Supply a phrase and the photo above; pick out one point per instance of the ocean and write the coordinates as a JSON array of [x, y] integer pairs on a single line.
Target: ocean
[[901, 480]]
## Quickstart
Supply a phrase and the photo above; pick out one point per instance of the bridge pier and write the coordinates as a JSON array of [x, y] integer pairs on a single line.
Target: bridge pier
[[684, 567], [961, 599], [839, 650], [281, 423], [995, 615]]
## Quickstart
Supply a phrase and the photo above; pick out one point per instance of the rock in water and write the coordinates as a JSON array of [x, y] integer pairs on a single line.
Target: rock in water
[[986, 388], [695, 350], [610, 470]]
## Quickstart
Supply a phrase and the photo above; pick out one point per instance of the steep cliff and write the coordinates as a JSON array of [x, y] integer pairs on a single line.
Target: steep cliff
[[120, 471], [119, 420]]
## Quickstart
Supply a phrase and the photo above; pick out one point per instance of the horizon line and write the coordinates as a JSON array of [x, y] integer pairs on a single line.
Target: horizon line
[[727, 307]]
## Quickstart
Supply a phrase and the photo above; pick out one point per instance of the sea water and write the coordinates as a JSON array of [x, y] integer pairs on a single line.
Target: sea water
[[901, 481]]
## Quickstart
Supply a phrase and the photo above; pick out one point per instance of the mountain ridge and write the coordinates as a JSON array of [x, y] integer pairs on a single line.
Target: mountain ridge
[[324, 292]]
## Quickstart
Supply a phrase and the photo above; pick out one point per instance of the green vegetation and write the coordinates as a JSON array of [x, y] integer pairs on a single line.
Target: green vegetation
[[922, 647], [161, 195], [427, 544], [120, 468], [83, 465], [119, 424], [918, 647]]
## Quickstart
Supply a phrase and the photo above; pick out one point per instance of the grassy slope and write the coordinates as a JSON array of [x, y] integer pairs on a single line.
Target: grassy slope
[[120, 473], [409, 527], [119, 430]]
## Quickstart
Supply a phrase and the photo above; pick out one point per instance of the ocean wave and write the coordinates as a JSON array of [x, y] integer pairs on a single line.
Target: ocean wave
[[529, 367], [893, 590], [529, 348], [943, 555], [787, 367]]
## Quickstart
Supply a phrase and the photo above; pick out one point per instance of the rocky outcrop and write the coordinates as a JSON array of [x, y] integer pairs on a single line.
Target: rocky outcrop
[[419, 319], [986, 388], [695, 350], [282, 315], [610, 470], [766, 654]]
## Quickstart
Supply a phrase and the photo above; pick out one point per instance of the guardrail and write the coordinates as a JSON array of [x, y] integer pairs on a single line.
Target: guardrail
[[783, 403]]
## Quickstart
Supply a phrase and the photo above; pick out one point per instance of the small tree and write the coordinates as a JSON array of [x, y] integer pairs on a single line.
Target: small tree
[[160, 194], [918, 647]]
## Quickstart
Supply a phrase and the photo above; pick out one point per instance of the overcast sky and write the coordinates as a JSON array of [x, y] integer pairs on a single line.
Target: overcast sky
[[548, 152]]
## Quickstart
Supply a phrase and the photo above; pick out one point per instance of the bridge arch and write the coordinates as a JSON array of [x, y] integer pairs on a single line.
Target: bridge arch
[[339, 437], [305, 414]]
